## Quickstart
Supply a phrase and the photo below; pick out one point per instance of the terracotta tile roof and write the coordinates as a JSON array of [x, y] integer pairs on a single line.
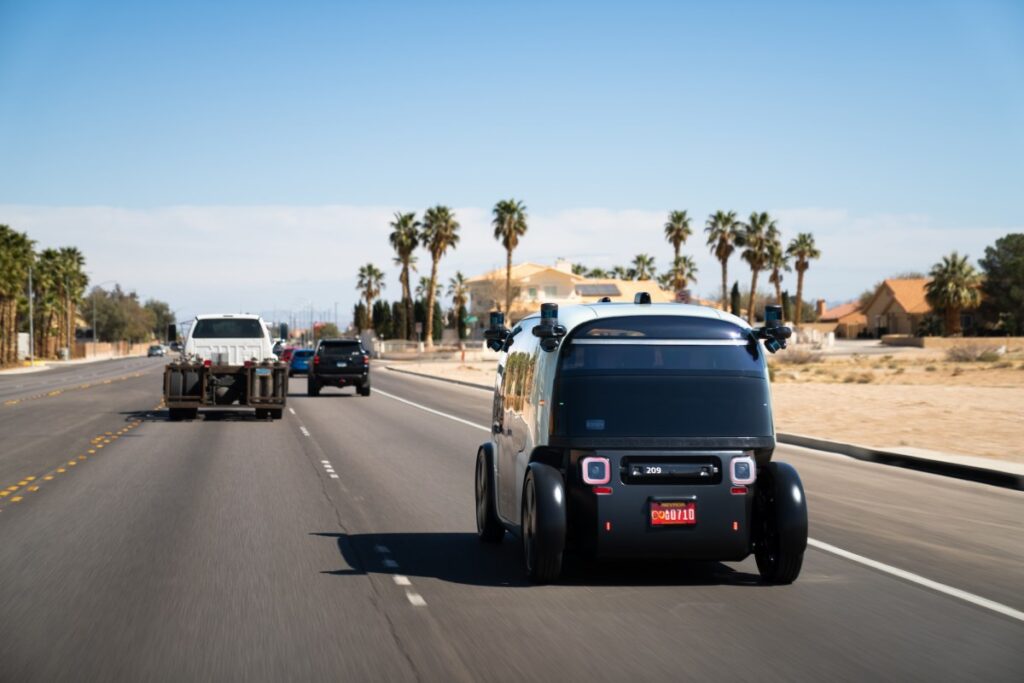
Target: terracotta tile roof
[[840, 311], [910, 294]]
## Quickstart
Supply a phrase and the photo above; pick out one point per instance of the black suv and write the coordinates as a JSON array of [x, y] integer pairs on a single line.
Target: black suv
[[339, 363]]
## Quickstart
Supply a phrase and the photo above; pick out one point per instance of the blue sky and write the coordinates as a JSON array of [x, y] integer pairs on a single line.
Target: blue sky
[[875, 111]]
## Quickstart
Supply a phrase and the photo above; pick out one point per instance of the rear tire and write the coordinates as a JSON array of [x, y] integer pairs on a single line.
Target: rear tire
[[262, 414], [276, 413], [780, 523], [364, 390], [312, 388], [176, 414], [543, 523], [489, 528]]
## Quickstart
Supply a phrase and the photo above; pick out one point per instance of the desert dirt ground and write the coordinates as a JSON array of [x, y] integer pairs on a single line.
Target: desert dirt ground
[[919, 400]]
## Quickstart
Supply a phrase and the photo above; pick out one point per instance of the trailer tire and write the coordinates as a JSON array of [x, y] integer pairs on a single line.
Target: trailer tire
[[276, 413]]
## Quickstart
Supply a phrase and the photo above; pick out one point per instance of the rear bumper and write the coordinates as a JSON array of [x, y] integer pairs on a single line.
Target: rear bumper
[[618, 524], [341, 379]]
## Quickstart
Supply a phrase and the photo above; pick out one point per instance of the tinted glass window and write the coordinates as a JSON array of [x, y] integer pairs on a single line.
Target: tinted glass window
[[340, 348], [659, 327], [651, 358], [302, 354], [228, 328]]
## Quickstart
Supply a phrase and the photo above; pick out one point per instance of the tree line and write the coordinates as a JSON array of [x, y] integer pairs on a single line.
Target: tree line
[[57, 291]]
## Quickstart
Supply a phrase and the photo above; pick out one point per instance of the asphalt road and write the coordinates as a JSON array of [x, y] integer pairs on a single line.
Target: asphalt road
[[224, 549]]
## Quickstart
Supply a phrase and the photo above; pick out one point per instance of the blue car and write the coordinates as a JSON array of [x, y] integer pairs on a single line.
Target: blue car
[[299, 362]]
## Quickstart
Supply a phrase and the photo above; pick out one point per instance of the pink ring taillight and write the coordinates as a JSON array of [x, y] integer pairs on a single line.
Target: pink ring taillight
[[596, 471], [742, 471]]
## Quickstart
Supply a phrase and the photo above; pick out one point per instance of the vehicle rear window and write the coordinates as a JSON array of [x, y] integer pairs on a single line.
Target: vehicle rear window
[[228, 328], [659, 327], [340, 348], [302, 354]]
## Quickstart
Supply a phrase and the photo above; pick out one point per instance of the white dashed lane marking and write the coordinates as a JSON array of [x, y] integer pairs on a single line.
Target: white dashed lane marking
[[416, 599], [305, 432], [291, 410], [402, 580]]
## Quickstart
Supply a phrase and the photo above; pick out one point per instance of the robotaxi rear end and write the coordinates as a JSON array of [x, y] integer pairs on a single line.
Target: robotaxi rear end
[[638, 431]]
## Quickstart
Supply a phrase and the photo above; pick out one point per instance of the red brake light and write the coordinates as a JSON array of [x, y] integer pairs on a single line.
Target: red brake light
[[603, 490], [366, 359], [207, 363], [316, 360]]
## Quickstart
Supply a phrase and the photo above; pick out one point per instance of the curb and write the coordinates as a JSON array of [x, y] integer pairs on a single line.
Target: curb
[[983, 475], [460, 382]]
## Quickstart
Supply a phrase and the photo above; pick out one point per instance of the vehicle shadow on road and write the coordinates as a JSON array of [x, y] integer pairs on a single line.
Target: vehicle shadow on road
[[461, 558], [161, 415]]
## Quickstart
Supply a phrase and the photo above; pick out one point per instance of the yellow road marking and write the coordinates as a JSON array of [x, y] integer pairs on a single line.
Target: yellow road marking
[[33, 488], [30, 478], [107, 433], [16, 499], [4, 494], [72, 463], [61, 470], [48, 477], [12, 488], [22, 482], [81, 457], [99, 445], [92, 452]]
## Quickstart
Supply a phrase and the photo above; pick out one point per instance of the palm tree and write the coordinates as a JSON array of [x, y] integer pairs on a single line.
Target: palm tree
[[620, 273], [643, 265], [955, 285], [677, 229], [684, 270], [777, 262], [370, 282], [580, 269], [458, 290], [71, 284], [757, 233], [423, 286], [16, 257], [509, 225], [45, 285], [440, 232], [405, 237], [722, 230], [597, 273], [802, 250]]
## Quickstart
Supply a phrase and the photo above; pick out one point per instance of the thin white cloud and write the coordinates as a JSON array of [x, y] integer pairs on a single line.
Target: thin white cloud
[[260, 258]]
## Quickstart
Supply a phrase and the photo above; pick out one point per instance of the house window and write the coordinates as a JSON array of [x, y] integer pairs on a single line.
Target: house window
[[533, 292], [550, 291]]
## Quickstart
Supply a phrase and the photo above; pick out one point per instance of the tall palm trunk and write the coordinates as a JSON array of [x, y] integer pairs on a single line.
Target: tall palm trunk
[[798, 313], [753, 293], [952, 321], [406, 302], [508, 284], [431, 295], [725, 286], [778, 290]]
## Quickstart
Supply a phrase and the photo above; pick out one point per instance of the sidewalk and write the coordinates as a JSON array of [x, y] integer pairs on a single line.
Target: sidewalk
[[41, 365]]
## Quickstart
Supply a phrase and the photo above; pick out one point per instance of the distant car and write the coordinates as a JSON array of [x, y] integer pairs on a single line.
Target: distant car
[[339, 363], [155, 350], [286, 354], [298, 364]]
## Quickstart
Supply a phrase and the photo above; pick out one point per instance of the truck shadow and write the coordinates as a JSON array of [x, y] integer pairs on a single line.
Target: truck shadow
[[461, 558], [161, 415]]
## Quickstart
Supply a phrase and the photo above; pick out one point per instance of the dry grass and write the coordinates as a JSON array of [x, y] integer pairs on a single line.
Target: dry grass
[[799, 357], [971, 353]]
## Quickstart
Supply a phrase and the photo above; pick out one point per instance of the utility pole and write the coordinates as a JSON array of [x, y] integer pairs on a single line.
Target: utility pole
[[31, 323]]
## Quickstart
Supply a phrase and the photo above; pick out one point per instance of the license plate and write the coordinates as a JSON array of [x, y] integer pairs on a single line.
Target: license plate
[[262, 371], [342, 364], [673, 512]]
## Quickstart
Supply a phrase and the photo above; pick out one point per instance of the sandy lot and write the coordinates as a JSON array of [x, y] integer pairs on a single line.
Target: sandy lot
[[968, 408]]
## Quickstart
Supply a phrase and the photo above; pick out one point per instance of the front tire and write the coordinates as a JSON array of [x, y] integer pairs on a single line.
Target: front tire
[[780, 523], [543, 523], [489, 528]]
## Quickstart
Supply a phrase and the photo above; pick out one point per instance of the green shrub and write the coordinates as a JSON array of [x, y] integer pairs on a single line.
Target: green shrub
[[930, 368], [971, 353]]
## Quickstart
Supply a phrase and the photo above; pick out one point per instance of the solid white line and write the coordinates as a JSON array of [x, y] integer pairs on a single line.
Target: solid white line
[[431, 410], [304, 431], [920, 580], [390, 564], [291, 410], [402, 580], [416, 599], [846, 554]]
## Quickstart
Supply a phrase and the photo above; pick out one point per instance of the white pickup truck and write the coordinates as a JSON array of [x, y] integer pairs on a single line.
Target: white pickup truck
[[227, 359]]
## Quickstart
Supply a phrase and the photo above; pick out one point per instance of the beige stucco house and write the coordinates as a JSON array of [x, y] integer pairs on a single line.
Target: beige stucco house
[[534, 284], [897, 307]]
